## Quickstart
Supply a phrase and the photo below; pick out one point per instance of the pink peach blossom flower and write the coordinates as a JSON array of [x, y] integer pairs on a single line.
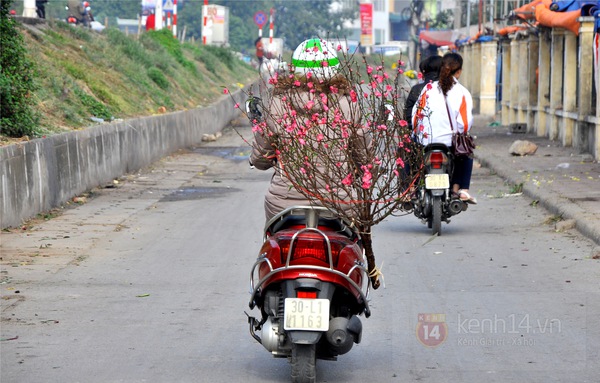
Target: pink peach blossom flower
[[367, 178], [347, 180]]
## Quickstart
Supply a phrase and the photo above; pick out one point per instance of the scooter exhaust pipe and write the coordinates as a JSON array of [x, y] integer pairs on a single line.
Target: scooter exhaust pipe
[[455, 207], [343, 333]]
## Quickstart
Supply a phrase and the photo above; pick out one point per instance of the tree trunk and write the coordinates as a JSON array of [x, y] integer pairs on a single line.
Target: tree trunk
[[368, 246]]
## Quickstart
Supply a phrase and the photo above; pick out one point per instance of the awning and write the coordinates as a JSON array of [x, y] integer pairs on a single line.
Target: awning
[[439, 38]]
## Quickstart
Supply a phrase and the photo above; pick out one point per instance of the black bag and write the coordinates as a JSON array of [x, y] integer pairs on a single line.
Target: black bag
[[462, 145]]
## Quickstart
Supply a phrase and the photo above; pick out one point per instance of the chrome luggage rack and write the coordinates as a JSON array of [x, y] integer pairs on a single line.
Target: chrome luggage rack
[[311, 215]]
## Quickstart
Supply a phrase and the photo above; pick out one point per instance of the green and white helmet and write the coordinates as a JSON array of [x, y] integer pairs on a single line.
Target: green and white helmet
[[316, 56]]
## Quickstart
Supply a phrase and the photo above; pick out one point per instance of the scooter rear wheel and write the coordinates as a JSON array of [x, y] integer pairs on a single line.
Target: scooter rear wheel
[[304, 363], [436, 216]]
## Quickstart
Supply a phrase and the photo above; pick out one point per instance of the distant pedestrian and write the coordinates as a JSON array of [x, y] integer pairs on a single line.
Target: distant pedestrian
[[260, 51], [88, 15], [40, 8], [150, 21]]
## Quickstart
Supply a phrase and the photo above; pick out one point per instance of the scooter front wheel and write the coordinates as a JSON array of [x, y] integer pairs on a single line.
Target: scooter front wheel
[[304, 363]]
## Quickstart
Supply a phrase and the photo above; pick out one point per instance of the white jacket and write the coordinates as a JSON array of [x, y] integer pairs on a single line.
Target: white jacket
[[433, 124]]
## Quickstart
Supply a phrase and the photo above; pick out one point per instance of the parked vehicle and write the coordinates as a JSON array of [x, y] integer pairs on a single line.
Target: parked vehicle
[[434, 201], [310, 283]]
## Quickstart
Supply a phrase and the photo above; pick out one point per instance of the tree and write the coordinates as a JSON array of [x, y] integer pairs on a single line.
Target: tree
[[297, 21], [17, 86], [360, 162], [443, 20]]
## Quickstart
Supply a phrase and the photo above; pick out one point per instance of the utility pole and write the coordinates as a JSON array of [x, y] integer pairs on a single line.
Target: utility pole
[[457, 14]]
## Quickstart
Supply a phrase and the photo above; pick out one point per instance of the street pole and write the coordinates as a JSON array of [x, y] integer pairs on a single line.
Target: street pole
[[205, 16], [158, 15], [175, 18], [271, 21], [469, 18], [457, 13]]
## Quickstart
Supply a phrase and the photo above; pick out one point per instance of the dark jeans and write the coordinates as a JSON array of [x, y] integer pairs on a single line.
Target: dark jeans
[[463, 168], [41, 10]]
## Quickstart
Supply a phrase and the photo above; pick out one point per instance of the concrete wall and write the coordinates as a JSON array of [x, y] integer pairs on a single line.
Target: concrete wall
[[479, 75], [548, 85], [41, 174]]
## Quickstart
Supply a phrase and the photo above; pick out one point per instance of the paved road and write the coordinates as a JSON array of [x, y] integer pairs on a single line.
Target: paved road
[[148, 282]]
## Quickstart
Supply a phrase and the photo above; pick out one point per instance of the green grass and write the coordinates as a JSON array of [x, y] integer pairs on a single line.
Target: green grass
[[82, 73]]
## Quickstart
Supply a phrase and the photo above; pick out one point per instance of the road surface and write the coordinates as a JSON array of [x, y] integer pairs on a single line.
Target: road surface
[[147, 281]]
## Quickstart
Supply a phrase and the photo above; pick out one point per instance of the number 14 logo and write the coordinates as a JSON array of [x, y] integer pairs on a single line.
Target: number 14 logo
[[432, 329]]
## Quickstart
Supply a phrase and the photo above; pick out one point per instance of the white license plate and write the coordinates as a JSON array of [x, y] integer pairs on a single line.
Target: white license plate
[[306, 314], [437, 181]]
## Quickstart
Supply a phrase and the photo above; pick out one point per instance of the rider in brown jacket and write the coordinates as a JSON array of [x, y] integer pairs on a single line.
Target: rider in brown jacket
[[293, 95]]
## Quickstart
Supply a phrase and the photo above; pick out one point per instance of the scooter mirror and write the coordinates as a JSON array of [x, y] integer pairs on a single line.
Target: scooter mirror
[[253, 108], [390, 110]]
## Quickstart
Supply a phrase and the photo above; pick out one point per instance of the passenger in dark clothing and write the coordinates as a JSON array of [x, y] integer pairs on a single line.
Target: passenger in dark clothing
[[430, 68]]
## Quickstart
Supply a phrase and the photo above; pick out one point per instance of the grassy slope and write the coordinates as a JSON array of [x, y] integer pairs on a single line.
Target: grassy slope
[[83, 74]]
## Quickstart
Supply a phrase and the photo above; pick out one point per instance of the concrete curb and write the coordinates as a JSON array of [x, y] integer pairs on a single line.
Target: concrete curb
[[42, 174]]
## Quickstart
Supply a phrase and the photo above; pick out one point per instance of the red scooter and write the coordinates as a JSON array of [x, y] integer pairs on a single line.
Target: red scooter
[[310, 283]]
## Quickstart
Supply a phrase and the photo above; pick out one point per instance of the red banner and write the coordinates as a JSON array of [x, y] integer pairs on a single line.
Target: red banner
[[366, 24]]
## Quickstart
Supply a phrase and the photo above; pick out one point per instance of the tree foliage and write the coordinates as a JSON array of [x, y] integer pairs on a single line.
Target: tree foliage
[[17, 72], [295, 21], [443, 20], [299, 20]]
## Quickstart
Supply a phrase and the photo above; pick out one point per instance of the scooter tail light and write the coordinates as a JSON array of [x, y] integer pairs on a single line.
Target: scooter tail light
[[436, 160], [310, 248], [304, 248]]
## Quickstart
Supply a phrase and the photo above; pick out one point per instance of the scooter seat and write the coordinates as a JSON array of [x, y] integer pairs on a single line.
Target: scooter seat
[[296, 220], [436, 146]]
